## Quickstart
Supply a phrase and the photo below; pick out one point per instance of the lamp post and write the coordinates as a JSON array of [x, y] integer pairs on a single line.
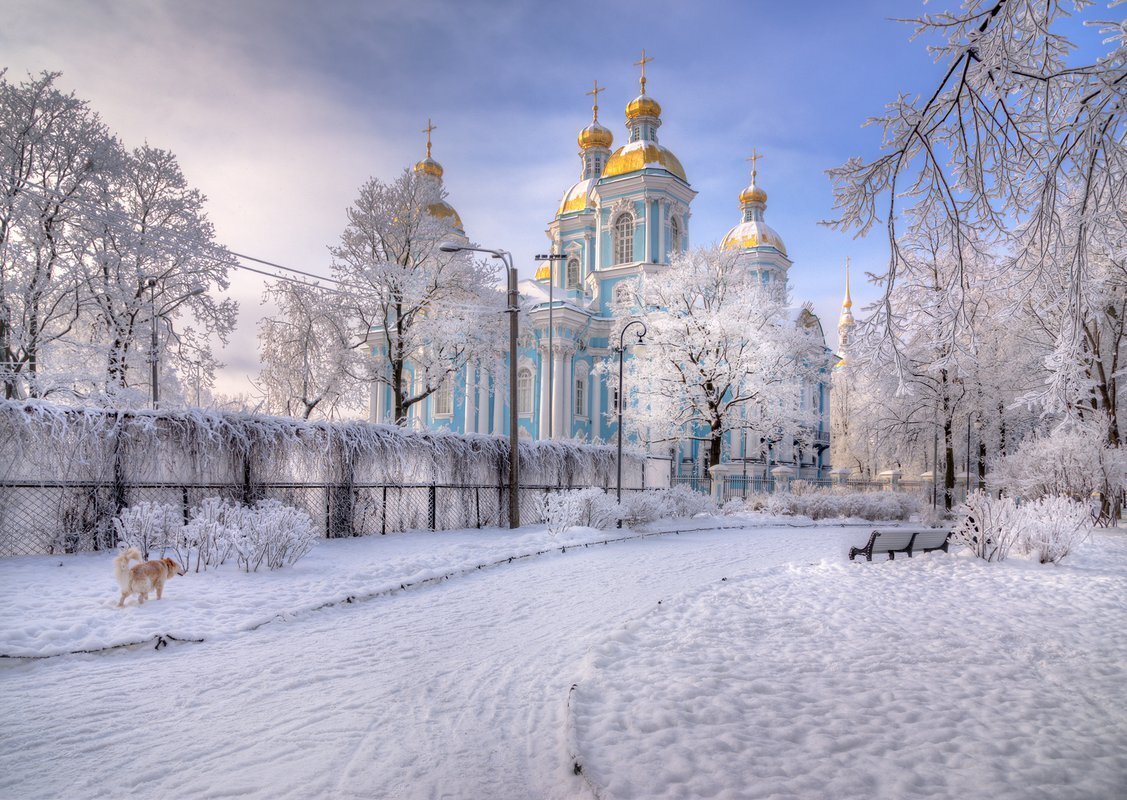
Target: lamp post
[[154, 359], [551, 258], [506, 259], [621, 349]]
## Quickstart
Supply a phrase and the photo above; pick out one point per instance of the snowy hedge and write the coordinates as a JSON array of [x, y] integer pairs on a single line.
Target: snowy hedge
[[1070, 462], [267, 533], [830, 504], [595, 508]]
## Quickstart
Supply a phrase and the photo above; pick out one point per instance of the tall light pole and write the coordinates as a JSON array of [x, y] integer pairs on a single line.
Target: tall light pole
[[621, 349], [514, 460], [154, 359], [551, 258]]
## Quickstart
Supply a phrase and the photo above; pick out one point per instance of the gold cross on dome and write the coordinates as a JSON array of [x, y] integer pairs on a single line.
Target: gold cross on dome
[[430, 127], [754, 157], [595, 93], [642, 64]]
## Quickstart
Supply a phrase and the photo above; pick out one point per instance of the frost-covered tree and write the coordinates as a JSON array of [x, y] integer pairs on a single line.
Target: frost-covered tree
[[1015, 159], [153, 253], [93, 240], [53, 148], [722, 354], [303, 354], [419, 314]]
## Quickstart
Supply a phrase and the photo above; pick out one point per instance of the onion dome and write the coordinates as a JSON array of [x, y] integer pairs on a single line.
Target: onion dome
[[595, 135], [643, 118], [439, 209], [753, 231], [643, 106], [577, 198], [643, 155], [544, 273]]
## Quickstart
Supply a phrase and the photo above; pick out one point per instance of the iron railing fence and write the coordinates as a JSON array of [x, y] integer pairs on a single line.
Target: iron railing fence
[[77, 516]]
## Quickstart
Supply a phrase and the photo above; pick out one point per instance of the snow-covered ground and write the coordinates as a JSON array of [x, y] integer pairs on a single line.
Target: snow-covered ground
[[749, 661]]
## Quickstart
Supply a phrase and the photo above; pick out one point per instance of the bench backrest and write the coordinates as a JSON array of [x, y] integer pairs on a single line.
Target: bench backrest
[[930, 539], [886, 541]]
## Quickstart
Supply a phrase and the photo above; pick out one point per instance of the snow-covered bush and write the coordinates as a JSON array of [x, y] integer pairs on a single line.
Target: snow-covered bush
[[641, 507], [990, 526], [820, 503], [682, 501], [1053, 527], [588, 508], [272, 534], [210, 533], [148, 527], [1069, 462]]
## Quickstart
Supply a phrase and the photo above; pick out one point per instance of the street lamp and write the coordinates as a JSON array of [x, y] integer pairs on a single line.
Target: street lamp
[[514, 462], [551, 258], [621, 349], [153, 357]]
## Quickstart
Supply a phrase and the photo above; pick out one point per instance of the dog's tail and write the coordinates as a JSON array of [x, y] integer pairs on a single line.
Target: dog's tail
[[121, 566]]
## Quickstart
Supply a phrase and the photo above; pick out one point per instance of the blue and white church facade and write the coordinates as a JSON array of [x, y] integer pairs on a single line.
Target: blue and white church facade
[[628, 215]]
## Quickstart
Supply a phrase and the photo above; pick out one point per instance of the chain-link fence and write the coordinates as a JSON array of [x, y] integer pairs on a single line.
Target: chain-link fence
[[77, 516]]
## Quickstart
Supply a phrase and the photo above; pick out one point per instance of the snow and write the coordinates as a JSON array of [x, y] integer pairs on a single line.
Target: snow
[[746, 658]]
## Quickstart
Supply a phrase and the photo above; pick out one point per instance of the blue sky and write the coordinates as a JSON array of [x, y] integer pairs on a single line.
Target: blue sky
[[278, 111]]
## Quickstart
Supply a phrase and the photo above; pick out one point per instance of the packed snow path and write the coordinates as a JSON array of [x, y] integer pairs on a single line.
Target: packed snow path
[[457, 690], [689, 685]]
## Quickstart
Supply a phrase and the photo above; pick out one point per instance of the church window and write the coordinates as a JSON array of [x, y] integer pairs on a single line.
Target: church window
[[573, 273], [623, 239], [524, 391], [674, 236], [581, 395], [444, 399]]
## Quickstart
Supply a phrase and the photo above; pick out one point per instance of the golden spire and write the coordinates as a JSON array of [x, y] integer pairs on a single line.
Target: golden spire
[[754, 157], [595, 106], [848, 304], [642, 64], [430, 127]]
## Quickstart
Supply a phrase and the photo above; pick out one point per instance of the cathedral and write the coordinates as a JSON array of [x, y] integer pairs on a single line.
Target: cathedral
[[627, 215]]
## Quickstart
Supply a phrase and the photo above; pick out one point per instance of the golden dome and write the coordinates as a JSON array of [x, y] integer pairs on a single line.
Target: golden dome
[[443, 210], [544, 273], [753, 233], [429, 166], [595, 135], [577, 198], [639, 155], [643, 106], [753, 194]]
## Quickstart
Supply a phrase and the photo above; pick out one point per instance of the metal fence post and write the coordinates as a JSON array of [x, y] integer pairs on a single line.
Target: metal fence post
[[433, 492]]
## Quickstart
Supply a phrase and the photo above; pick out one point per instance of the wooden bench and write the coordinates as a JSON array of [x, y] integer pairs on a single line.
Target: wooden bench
[[901, 540]]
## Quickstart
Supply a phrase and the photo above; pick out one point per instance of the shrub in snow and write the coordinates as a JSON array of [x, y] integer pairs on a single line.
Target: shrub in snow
[[272, 534], [1070, 462], [148, 527], [589, 508], [211, 532], [990, 526], [1053, 527], [681, 501], [641, 507]]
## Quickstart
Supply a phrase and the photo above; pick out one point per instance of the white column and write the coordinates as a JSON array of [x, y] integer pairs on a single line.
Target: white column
[[558, 402], [499, 396], [470, 408], [545, 364], [661, 205], [596, 388], [481, 392], [568, 381], [649, 229]]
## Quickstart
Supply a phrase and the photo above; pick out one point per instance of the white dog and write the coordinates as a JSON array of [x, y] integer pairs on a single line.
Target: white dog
[[143, 578]]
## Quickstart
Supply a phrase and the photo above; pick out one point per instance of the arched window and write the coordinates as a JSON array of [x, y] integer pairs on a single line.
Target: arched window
[[524, 391], [573, 273], [623, 239], [444, 399], [674, 237], [581, 394]]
